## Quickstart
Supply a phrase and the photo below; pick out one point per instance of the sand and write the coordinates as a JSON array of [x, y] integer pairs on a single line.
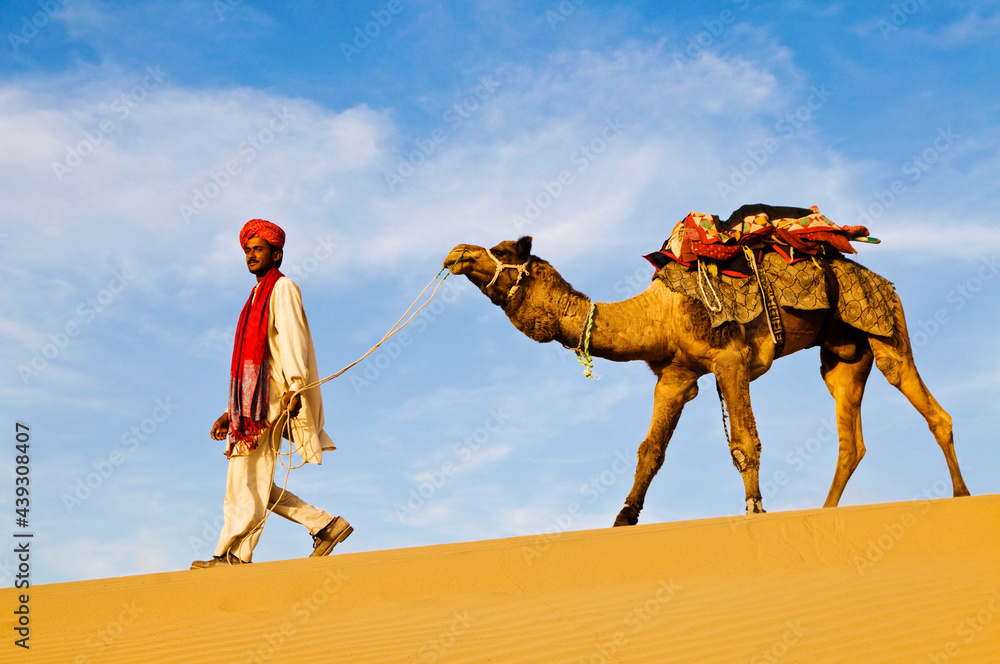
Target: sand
[[903, 582]]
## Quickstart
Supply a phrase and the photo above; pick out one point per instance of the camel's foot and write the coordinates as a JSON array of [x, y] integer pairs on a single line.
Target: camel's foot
[[629, 516], [755, 506]]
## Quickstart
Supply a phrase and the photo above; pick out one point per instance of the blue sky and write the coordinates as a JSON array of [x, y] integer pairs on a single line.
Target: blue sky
[[137, 139]]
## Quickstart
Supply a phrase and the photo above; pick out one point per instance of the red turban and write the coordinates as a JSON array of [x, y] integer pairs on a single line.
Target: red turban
[[263, 229]]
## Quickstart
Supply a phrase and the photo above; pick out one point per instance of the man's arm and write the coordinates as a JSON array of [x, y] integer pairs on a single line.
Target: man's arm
[[221, 427], [293, 340]]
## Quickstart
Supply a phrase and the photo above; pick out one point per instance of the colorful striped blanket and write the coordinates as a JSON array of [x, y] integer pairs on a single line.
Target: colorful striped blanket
[[794, 233], [704, 259]]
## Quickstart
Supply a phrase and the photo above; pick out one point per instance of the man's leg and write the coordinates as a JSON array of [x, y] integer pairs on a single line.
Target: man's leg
[[248, 482], [287, 504], [327, 530]]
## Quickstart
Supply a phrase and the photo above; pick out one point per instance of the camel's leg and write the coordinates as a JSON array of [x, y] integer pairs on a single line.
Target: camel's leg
[[732, 373], [846, 382], [894, 358], [674, 388]]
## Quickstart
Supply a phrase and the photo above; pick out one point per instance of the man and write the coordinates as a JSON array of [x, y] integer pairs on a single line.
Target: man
[[273, 359]]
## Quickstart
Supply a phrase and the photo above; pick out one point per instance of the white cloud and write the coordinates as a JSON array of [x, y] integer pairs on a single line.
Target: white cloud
[[147, 164], [970, 28]]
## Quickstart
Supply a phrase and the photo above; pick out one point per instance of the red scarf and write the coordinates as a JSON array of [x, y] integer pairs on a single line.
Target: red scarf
[[248, 398]]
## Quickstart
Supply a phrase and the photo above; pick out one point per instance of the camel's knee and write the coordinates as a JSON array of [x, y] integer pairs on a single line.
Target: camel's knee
[[850, 458], [739, 459], [746, 456], [650, 458], [890, 368], [941, 426]]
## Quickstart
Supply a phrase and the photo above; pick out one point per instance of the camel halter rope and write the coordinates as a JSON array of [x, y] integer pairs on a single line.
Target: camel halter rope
[[522, 270], [281, 427]]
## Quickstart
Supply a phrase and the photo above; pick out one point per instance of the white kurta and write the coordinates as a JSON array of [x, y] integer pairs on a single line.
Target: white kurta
[[249, 482], [293, 366]]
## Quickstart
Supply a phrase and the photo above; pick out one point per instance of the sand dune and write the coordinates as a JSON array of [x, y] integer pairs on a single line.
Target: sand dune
[[903, 582]]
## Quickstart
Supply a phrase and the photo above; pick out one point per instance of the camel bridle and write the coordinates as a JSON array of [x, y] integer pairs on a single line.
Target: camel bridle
[[522, 270]]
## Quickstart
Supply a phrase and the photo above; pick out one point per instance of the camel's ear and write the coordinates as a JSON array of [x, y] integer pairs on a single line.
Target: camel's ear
[[524, 246]]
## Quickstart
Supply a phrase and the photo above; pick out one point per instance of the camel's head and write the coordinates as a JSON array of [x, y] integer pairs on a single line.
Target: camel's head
[[499, 272]]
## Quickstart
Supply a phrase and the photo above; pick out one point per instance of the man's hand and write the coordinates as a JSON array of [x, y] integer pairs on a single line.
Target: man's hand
[[291, 402], [221, 427]]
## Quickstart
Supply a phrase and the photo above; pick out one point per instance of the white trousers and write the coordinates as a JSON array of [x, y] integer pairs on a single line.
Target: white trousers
[[249, 480]]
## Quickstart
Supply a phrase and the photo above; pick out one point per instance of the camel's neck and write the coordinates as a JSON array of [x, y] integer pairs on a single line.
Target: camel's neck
[[620, 331], [552, 311]]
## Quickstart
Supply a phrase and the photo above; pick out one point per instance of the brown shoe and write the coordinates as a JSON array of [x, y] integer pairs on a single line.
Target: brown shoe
[[218, 561], [333, 534]]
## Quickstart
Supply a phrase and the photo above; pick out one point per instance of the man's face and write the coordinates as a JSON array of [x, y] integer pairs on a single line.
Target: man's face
[[261, 257]]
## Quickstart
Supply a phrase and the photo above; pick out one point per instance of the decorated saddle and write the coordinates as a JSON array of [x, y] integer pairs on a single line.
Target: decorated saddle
[[764, 257]]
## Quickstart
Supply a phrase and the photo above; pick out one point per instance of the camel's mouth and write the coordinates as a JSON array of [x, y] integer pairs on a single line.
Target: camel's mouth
[[459, 260]]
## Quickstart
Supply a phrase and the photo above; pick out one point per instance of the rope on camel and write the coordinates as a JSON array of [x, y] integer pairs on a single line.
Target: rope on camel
[[583, 350]]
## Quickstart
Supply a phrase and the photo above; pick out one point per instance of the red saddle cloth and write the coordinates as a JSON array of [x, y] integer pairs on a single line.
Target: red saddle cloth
[[795, 233]]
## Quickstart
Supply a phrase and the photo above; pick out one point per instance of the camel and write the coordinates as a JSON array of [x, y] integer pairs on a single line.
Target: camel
[[673, 335]]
